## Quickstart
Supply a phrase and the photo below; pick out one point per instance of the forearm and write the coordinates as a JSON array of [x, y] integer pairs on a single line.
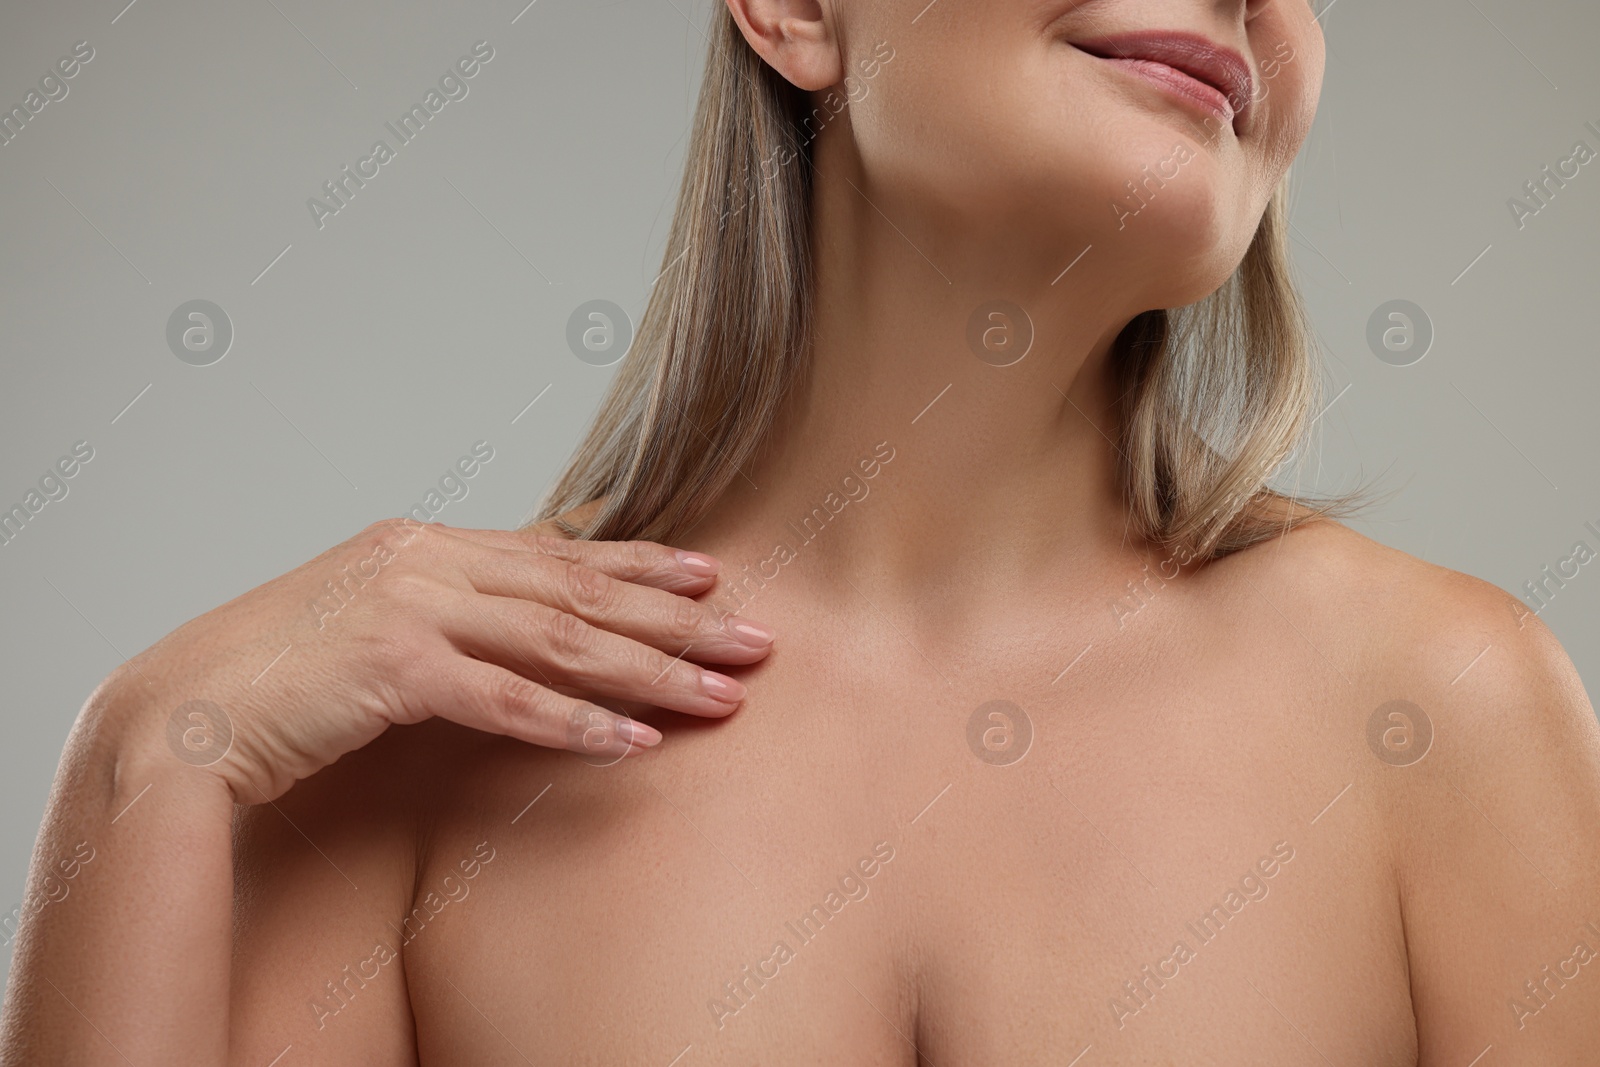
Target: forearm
[[124, 955]]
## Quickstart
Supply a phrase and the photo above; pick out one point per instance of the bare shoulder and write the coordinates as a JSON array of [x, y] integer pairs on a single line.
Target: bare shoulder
[[1485, 750], [1402, 621], [1486, 671]]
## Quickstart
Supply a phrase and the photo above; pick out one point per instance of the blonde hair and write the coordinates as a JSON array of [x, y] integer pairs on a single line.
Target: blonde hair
[[1215, 396]]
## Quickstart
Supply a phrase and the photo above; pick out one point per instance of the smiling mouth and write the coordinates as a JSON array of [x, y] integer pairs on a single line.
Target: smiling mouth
[[1188, 66]]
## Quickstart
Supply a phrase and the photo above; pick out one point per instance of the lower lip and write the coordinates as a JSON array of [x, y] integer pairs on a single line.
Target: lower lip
[[1179, 84]]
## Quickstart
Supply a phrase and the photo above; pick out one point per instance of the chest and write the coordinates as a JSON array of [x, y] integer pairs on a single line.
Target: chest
[[856, 870]]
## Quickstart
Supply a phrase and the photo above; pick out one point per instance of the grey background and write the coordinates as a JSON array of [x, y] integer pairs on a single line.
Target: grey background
[[430, 312]]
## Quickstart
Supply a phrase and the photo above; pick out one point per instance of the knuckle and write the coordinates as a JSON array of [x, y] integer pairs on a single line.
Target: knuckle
[[514, 697], [568, 637], [410, 540], [543, 544], [395, 529], [590, 728], [685, 620], [641, 557], [655, 670], [587, 591], [427, 533], [548, 540], [579, 717]]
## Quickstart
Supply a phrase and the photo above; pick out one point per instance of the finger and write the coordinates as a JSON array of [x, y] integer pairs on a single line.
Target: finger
[[555, 647], [631, 708], [667, 621], [486, 697], [640, 562]]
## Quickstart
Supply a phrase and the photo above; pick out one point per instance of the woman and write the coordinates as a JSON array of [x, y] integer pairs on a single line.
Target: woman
[[1078, 744]]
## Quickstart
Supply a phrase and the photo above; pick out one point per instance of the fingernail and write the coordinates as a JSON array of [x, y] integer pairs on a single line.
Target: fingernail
[[751, 633], [638, 733], [721, 686], [698, 565]]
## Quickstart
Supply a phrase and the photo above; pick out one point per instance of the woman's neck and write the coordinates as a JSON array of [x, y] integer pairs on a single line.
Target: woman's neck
[[996, 471]]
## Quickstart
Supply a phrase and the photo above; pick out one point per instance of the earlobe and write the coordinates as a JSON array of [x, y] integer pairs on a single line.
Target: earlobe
[[795, 37]]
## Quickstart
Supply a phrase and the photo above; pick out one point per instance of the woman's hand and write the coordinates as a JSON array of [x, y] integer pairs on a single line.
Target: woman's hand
[[515, 633]]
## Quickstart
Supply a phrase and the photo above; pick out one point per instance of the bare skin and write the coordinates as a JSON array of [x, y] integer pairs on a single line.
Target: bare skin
[[1224, 720], [436, 881]]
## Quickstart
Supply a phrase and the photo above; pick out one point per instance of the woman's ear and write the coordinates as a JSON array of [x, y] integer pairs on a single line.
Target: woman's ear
[[794, 38]]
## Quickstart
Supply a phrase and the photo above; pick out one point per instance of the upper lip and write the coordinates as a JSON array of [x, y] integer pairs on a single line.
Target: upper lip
[[1221, 68]]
